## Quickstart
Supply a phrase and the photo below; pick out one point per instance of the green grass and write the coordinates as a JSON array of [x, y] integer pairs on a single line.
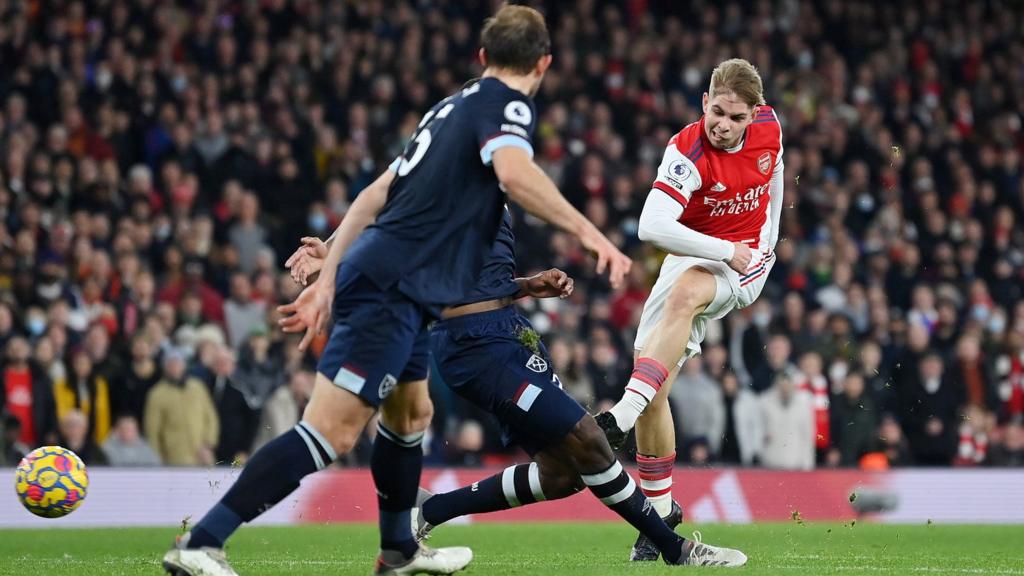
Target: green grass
[[535, 549]]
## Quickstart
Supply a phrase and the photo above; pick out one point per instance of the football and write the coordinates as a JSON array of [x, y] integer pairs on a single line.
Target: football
[[51, 481]]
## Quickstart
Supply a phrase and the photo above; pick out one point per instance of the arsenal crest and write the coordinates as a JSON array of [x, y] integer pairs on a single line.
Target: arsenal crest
[[764, 162]]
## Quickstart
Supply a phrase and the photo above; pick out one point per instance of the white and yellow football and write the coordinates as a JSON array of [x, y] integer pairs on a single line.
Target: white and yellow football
[[51, 481]]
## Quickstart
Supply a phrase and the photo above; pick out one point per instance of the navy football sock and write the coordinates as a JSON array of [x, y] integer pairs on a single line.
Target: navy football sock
[[272, 473], [515, 486], [617, 490], [396, 463]]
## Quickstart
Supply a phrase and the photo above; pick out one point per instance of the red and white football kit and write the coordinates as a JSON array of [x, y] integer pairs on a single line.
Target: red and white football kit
[[702, 201]]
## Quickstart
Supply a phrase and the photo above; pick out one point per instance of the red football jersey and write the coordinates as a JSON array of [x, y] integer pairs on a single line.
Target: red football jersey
[[725, 193]]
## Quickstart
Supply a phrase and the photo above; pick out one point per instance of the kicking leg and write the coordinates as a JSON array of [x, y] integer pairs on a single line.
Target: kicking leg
[[645, 403], [690, 295], [655, 429]]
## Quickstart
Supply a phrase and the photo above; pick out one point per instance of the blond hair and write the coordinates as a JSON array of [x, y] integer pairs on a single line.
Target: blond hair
[[739, 77]]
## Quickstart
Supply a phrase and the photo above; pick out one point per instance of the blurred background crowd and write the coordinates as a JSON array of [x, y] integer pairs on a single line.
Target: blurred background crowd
[[159, 160]]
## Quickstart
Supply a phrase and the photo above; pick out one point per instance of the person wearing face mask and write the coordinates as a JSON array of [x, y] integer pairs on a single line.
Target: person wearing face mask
[[317, 221], [35, 323]]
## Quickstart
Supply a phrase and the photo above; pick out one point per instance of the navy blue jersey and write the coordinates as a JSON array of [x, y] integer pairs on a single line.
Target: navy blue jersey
[[445, 206], [497, 279]]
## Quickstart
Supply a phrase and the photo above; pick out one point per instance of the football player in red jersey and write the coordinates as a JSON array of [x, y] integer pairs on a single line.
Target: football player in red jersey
[[715, 208]]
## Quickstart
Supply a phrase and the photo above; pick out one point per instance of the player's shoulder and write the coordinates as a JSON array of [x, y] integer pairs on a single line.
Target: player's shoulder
[[689, 142], [490, 98], [766, 127]]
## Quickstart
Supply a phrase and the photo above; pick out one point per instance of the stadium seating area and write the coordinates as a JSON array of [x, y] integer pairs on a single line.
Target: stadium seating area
[[160, 160]]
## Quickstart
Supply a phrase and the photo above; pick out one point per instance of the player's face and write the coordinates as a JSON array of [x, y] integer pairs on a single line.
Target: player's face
[[726, 116]]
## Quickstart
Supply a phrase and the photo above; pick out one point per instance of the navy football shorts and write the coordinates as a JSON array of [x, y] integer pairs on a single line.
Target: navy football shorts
[[482, 358], [378, 340]]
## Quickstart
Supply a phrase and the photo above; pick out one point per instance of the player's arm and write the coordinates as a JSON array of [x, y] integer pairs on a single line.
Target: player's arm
[[776, 190], [528, 185], [659, 224]]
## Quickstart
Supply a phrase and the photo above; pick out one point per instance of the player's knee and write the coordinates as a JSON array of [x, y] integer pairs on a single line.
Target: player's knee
[[409, 418], [684, 299], [656, 411], [341, 438]]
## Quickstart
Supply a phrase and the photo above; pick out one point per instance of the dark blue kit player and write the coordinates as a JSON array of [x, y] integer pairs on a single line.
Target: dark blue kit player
[[441, 211], [488, 353]]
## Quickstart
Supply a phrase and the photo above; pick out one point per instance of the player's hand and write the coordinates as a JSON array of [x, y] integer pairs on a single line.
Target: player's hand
[[608, 257], [741, 258], [548, 284], [307, 260], [309, 312]]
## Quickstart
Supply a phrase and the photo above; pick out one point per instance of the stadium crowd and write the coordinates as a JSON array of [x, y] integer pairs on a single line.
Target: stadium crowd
[[159, 160]]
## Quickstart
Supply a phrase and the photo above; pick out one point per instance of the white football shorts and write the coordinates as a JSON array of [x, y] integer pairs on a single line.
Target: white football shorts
[[734, 291]]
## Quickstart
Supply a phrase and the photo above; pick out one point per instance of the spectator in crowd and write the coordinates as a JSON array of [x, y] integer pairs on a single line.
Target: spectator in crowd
[[126, 447], [928, 410], [284, 408], [86, 390], [141, 375], [180, 418], [74, 435], [238, 420], [875, 374], [893, 443], [854, 422], [974, 436], [260, 367], [27, 394], [816, 384], [775, 361], [788, 425], [14, 448], [743, 432], [241, 311], [467, 450], [697, 399], [1010, 452]]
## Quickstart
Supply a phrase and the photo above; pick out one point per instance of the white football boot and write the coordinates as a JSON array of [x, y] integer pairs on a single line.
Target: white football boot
[[428, 561], [181, 561], [697, 553]]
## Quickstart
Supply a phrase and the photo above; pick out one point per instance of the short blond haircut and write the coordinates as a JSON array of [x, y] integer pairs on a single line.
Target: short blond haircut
[[739, 77]]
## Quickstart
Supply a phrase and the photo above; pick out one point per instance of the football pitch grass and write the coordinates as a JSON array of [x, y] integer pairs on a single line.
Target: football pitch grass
[[536, 549]]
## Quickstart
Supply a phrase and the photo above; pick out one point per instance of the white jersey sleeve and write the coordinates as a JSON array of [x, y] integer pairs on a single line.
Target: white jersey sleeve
[[777, 192], [677, 180], [677, 176], [659, 225]]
